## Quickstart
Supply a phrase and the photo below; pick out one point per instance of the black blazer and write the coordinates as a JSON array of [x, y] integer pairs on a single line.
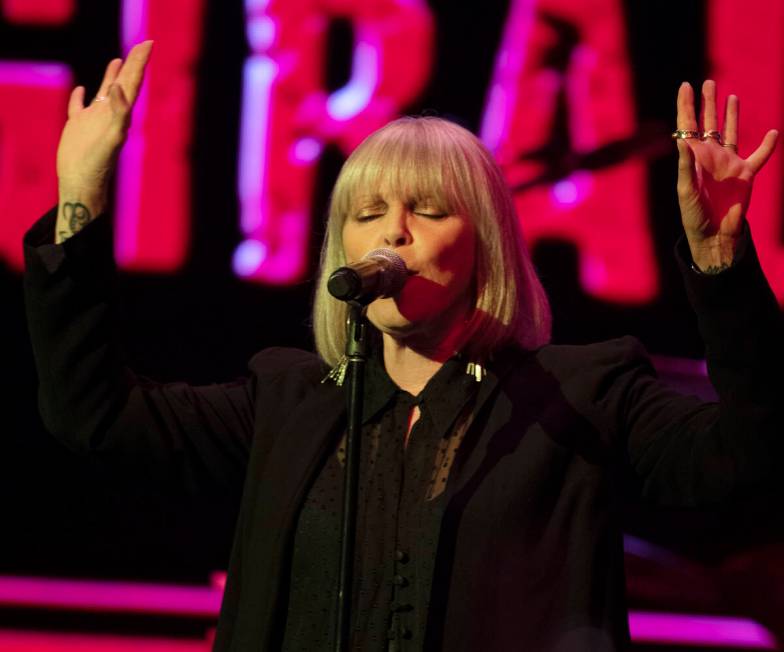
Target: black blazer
[[530, 551]]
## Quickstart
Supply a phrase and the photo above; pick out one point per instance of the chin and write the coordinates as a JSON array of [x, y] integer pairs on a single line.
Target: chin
[[385, 315], [393, 317]]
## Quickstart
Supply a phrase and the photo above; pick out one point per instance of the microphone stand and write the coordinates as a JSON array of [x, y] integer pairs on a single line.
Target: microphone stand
[[357, 354]]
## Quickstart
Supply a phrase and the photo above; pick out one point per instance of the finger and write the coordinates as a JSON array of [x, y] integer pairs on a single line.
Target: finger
[[761, 155], [710, 120], [731, 113], [132, 72], [687, 173], [686, 119], [76, 101], [109, 75]]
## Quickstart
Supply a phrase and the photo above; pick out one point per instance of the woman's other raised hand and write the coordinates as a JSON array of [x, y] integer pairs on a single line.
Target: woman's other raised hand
[[91, 141], [714, 183]]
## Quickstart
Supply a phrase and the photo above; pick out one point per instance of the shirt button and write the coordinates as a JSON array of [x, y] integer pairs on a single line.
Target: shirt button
[[401, 556], [399, 580]]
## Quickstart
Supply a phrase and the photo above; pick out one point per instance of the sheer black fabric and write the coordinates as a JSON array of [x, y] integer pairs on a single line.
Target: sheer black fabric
[[400, 504]]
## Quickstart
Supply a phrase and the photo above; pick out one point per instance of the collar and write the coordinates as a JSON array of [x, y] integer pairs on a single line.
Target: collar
[[441, 399]]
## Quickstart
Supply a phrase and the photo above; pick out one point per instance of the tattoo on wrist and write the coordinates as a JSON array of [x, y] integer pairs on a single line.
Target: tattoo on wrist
[[716, 269], [76, 215]]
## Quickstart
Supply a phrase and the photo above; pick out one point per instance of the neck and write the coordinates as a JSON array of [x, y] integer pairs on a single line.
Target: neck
[[412, 364], [408, 368]]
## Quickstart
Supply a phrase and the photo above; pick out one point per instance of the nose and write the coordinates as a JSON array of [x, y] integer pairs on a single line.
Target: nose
[[396, 233]]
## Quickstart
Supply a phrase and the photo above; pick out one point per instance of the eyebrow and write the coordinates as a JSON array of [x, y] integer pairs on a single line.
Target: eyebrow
[[369, 203], [413, 199]]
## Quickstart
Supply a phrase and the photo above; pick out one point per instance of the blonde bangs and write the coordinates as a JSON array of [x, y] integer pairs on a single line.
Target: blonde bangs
[[406, 161]]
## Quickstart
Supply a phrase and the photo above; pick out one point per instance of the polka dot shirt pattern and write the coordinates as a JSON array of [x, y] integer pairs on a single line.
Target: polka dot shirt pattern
[[401, 491]]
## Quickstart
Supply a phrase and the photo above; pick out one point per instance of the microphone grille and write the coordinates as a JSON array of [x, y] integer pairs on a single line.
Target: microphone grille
[[395, 270]]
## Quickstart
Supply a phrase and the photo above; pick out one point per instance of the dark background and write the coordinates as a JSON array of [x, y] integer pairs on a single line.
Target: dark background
[[61, 516]]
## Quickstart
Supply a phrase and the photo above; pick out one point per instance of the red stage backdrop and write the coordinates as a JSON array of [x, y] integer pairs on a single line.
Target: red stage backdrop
[[556, 58]]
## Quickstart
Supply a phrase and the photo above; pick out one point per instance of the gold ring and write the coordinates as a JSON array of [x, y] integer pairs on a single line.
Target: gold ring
[[682, 134], [732, 146], [716, 135]]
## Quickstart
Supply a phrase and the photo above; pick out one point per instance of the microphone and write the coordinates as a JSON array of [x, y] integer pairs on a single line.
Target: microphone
[[380, 273]]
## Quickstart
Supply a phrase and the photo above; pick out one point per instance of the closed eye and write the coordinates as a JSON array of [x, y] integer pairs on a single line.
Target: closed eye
[[434, 216]]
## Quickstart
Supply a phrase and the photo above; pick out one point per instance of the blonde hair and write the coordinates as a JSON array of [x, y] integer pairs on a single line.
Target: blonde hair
[[429, 157]]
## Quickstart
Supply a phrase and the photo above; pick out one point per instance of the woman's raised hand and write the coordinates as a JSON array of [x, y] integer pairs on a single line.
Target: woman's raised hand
[[92, 139], [714, 183]]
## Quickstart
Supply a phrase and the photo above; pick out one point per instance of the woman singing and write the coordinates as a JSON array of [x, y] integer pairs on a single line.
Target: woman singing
[[492, 463]]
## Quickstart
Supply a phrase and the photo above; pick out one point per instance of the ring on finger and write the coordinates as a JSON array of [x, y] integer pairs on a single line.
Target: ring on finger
[[732, 146], [716, 135], [100, 98], [682, 134]]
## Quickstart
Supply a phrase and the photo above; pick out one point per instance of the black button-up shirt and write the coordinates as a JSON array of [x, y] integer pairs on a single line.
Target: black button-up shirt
[[400, 502]]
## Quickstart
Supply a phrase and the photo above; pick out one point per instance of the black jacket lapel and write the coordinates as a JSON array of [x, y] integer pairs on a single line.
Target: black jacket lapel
[[268, 522]]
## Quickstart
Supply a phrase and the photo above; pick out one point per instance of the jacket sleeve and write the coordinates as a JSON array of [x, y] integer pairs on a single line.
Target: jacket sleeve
[[685, 452], [191, 439]]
